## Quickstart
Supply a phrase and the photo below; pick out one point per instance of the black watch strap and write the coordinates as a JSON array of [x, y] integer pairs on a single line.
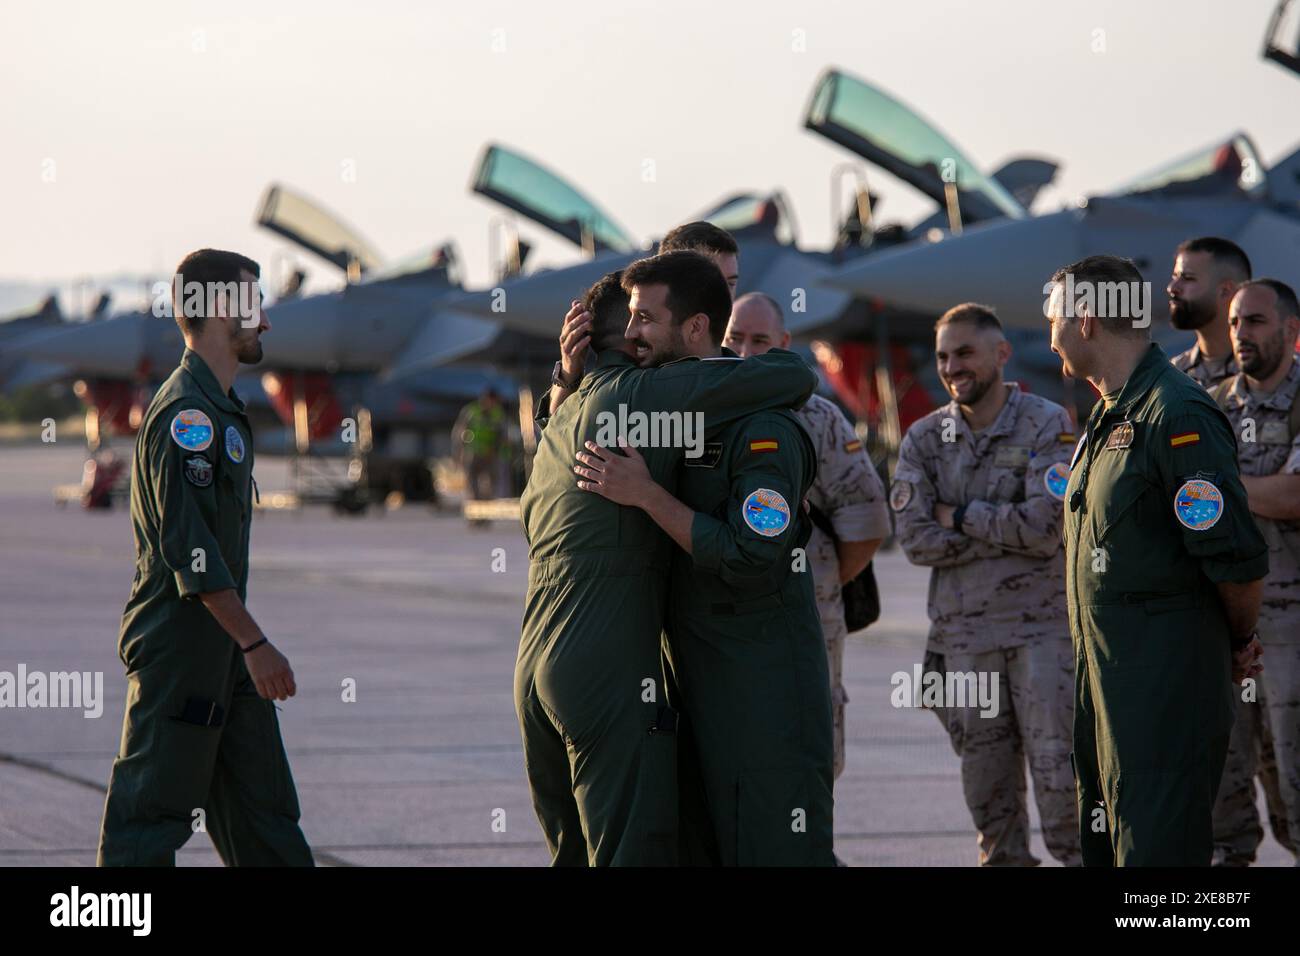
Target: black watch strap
[[957, 517], [254, 646], [557, 378]]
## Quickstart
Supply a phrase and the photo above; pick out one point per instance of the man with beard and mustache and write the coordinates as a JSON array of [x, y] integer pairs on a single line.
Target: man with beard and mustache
[[1207, 272], [599, 736], [200, 732], [977, 497], [747, 648], [1263, 404]]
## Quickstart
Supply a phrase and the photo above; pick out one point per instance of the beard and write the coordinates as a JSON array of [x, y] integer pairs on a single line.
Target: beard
[[978, 388], [1189, 315], [248, 350], [661, 355], [1261, 360]]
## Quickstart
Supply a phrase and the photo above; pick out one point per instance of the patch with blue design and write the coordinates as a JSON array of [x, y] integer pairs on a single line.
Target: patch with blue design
[[1056, 478], [192, 429], [766, 512], [234, 444], [1198, 504]]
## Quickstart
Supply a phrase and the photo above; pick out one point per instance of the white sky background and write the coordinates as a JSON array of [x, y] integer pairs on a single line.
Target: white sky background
[[160, 149]]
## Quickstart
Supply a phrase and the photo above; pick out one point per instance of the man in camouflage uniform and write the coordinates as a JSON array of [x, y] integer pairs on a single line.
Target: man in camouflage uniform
[[847, 490], [1207, 272], [977, 497], [1263, 404]]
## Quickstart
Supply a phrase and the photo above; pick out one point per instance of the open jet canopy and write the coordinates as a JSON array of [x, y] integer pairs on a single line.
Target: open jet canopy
[[315, 229], [1225, 167], [532, 190], [758, 213], [1282, 41], [885, 132]]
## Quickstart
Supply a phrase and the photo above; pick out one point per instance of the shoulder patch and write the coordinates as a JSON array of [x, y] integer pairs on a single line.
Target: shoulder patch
[[900, 494], [234, 444], [192, 429], [764, 444], [853, 446], [1198, 504], [1182, 439], [766, 512], [1065, 438], [1056, 478], [198, 471]]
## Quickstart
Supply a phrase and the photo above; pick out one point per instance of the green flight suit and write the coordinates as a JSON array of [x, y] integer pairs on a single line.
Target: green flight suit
[[747, 650], [196, 734], [598, 735], [1156, 515]]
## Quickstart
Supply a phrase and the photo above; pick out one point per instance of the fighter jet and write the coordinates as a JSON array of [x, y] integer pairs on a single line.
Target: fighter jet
[[1224, 189]]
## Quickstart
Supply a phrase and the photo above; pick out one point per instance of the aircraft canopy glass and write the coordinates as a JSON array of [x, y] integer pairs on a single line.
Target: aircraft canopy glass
[[316, 229], [887, 133], [1227, 165], [533, 191], [749, 210]]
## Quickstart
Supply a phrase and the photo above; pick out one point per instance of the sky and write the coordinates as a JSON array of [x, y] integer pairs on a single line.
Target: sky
[[135, 133]]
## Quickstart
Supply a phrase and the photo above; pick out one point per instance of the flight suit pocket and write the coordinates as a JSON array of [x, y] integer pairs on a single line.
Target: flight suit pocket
[[1117, 509], [182, 765], [783, 818]]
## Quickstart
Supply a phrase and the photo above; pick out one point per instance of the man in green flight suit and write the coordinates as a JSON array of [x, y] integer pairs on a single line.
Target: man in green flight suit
[[200, 740], [1164, 569], [743, 624], [599, 740]]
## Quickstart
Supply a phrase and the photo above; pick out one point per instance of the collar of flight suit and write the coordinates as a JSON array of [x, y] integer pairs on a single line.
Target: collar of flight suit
[[207, 382], [1144, 376], [1280, 399], [1004, 424]]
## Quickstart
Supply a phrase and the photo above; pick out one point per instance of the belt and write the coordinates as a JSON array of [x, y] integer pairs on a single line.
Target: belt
[[1154, 603], [561, 568]]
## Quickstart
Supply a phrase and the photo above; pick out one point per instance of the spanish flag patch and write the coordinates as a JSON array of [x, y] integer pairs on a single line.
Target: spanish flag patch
[[763, 444], [853, 446], [1184, 438], [1065, 438]]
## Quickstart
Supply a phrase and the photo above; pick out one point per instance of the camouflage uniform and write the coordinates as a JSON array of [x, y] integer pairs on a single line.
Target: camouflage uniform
[[1206, 372], [1266, 447], [850, 493], [995, 606]]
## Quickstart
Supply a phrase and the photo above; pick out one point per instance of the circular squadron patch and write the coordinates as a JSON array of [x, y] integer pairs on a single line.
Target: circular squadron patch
[[1056, 478], [198, 471], [234, 444], [1198, 504], [766, 512], [900, 494], [192, 429]]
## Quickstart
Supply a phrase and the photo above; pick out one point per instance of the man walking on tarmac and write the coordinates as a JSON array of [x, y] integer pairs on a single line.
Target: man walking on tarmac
[[200, 740]]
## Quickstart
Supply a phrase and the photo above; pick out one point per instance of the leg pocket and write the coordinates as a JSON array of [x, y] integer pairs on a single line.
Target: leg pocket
[[181, 767], [784, 818]]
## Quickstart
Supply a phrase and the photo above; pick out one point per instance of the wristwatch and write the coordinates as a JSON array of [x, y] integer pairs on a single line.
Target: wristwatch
[[957, 517], [557, 378]]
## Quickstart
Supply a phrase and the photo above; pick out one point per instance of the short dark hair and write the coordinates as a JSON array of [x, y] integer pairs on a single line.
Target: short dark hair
[[1094, 271], [972, 313], [1227, 255], [607, 302], [207, 267], [1286, 298], [695, 285], [702, 237]]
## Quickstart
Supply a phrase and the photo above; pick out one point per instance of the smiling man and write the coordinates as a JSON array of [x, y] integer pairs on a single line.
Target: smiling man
[[977, 497], [1164, 570]]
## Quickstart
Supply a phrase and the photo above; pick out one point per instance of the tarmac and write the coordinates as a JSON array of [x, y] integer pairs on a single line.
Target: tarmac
[[406, 603]]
